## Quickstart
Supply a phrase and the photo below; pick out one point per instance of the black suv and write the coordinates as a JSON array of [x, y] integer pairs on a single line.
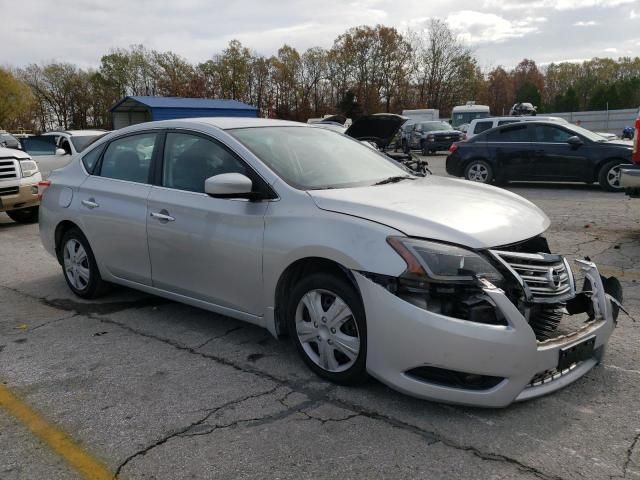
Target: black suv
[[540, 151]]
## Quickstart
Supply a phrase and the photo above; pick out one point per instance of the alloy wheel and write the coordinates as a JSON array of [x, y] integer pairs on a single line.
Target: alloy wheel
[[327, 330], [76, 264], [478, 173], [613, 176]]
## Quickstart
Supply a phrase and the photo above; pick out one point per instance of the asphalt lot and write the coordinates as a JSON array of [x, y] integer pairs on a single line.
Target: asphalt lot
[[156, 389]]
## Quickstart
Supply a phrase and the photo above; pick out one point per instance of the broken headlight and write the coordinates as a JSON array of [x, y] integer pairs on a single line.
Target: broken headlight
[[441, 262], [442, 278]]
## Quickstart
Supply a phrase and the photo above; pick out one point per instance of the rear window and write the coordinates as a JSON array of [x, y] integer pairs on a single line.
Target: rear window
[[511, 133], [482, 126]]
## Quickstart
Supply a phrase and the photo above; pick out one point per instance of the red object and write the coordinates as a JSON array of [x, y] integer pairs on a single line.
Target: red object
[[42, 186], [635, 156], [453, 148]]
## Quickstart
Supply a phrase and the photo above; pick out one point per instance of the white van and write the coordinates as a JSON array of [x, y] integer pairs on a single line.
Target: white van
[[461, 114], [479, 125]]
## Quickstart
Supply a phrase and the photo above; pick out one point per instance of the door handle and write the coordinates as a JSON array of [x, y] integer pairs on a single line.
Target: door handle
[[90, 204], [162, 216]]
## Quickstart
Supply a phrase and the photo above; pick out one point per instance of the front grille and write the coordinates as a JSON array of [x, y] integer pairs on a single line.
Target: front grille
[[9, 190], [546, 278], [8, 169]]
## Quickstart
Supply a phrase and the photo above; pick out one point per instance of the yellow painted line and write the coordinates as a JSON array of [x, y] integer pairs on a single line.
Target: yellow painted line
[[57, 440]]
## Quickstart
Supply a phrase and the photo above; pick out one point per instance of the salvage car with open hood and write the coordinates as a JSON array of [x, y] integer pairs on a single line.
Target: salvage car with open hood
[[439, 288]]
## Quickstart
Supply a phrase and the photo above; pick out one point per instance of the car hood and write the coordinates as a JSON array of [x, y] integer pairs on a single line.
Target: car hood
[[449, 210], [13, 153], [441, 132], [621, 143], [379, 128]]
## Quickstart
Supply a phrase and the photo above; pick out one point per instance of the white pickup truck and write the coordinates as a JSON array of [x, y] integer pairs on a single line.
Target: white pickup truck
[[19, 177]]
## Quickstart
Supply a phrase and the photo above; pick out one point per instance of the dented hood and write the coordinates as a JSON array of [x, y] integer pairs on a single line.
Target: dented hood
[[449, 210]]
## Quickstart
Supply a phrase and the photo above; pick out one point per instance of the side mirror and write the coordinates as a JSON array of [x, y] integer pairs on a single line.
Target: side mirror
[[60, 152], [575, 141], [228, 185]]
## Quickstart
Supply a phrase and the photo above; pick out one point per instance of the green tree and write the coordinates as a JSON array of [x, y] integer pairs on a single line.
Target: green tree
[[16, 102]]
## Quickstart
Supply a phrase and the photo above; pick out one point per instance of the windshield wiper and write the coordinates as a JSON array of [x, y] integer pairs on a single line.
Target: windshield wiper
[[395, 179]]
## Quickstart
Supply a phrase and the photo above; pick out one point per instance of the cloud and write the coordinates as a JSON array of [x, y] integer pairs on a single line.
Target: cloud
[[610, 50], [633, 15], [478, 27], [589, 23], [554, 4]]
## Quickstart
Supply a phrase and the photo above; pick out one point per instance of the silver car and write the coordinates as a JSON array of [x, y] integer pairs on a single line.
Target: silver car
[[440, 288]]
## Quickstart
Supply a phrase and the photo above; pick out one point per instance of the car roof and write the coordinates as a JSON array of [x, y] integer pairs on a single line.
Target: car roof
[[227, 123], [76, 133], [536, 118]]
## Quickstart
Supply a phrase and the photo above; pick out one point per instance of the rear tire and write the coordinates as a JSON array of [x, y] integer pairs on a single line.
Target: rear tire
[[79, 266], [327, 325], [24, 215], [478, 171], [609, 176]]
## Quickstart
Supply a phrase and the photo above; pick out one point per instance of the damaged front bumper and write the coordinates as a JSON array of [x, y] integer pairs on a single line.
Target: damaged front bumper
[[433, 356]]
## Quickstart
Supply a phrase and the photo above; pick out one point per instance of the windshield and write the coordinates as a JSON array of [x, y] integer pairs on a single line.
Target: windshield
[[458, 118], [434, 126], [594, 137], [316, 159], [83, 141]]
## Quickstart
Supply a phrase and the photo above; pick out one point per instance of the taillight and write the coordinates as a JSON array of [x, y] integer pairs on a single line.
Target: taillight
[[635, 156], [453, 148], [42, 186]]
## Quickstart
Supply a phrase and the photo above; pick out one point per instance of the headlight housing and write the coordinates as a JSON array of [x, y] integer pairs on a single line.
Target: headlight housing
[[429, 261], [28, 167]]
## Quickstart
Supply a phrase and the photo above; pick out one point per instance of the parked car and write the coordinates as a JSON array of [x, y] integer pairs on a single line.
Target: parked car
[[304, 231], [19, 177], [430, 137], [53, 150], [539, 151], [479, 125]]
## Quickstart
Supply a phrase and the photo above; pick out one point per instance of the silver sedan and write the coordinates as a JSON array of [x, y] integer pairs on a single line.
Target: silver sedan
[[440, 288]]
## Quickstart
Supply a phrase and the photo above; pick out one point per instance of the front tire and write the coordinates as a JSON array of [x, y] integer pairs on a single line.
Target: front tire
[[24, 215], [327, 324], [79, 266], [609, 176], [479, 171]]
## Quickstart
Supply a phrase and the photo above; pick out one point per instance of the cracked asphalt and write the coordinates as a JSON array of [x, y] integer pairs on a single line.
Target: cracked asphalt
[[158, 390]]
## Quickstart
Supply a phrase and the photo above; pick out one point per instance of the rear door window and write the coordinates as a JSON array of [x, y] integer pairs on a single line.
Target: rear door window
[[517, 133], [507, 122], [129, 158], [91, 159]]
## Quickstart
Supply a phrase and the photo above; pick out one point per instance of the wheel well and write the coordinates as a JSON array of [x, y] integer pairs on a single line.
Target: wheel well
[[62, 228], [297, 270]]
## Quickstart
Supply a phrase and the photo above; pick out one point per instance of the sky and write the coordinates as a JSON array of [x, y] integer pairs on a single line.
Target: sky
[[500, 32]]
